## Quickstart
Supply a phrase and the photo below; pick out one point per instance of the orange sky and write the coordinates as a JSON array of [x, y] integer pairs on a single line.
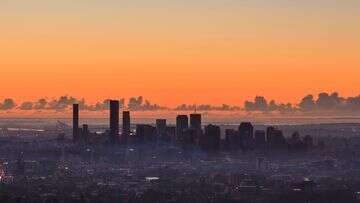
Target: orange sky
[[174, 52]]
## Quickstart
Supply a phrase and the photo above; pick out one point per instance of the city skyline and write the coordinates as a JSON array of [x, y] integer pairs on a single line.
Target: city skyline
[[237, 49]]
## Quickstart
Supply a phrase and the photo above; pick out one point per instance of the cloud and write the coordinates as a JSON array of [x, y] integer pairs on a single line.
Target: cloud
[[62, 103], [65, 102], [324, 102], [307, 103], [26, 106], [7, 104], [262, 105], [206, 107], [40, 104], [329, 102], [101, 106], [139, 104], [259, 104]]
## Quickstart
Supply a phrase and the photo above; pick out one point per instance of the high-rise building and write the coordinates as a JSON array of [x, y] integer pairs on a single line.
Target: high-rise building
[[211, 138], [189, 136], [231, 139], [268, 133], [182, 123], [277, 140], [160, 127], [145, 133], [260, 139], [170, 134], [125, 127], [308, 141], [85, 133], [75, 122], [114, 121], [195, 121], [246, 135]]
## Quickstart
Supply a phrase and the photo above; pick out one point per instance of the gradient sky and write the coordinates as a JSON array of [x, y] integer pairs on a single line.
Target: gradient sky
[[176, 51]]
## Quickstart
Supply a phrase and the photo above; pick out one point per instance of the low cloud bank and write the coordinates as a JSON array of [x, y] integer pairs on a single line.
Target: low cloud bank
[[65, 102], [141, 104], [324, 102], [7, 104], [262, 105], [206, 107]]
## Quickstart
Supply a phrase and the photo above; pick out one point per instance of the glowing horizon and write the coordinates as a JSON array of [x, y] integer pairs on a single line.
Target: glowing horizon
[[204, 52]]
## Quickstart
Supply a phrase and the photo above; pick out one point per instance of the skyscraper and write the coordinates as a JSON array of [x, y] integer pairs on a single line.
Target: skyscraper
[[195, 121], [182, 123], [277, 140], [85, 133], [114, 121], [246, 135], [269, 133], [126, 127], [211, 138], [260, 139], [195, 124], [75, 122], [231, 139], [160, 127], [145, 133]]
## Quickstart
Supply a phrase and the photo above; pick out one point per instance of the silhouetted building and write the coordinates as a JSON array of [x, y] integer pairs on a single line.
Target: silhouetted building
[[182, 123], [246, 135], [295, 142], [277, 140], [260, 139], [75, 122], [308, 142], [114, 121], [189, 138], [160, 127], [85, 133], [145, 133], [20, 165], [195, 121], [125, 127], [170, 134], [268, 133], [211, 138], [231, 139]]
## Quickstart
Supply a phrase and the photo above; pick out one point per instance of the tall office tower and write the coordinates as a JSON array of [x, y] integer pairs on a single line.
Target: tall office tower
[[246, 135], [145, 133], [85, 133], [260, 139], [75, 122], [231, 139], [308, 142], [161, 127], [182, 123], [189, 136], [195, 121], [268, 134], [114, 121], [170, 132], [211, 138], [126, 127], [278, 140]]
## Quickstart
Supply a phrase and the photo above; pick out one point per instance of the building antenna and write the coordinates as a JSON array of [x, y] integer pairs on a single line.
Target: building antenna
[[195, 109]]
